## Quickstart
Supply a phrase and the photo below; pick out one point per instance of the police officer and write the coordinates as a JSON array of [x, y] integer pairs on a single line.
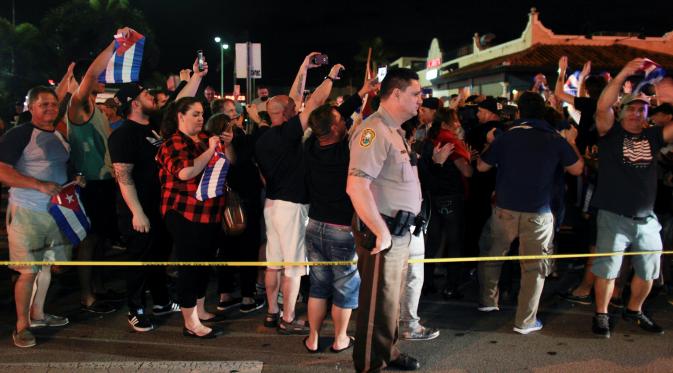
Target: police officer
[[386, 194]]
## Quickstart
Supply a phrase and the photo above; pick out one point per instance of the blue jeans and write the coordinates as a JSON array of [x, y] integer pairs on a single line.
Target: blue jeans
[[330, 242]]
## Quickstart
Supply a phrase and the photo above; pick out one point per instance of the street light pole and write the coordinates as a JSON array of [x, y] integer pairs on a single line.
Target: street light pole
[[222, 46], [222, 70]]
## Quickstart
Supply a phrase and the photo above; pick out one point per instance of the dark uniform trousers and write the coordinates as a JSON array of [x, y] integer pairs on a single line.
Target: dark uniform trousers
[[383, 277]]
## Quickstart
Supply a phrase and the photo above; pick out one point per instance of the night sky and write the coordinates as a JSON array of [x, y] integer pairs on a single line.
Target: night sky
[[290, 30]]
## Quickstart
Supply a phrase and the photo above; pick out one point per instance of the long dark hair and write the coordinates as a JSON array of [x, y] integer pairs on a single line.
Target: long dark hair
[[170, 123], [217, 124]]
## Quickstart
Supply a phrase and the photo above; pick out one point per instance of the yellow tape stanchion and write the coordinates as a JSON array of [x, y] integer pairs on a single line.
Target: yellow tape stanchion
[[335, 263]]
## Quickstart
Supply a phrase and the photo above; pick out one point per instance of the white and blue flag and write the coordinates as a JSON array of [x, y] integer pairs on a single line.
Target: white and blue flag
[[214, 177], [124, 65], [68, 212]]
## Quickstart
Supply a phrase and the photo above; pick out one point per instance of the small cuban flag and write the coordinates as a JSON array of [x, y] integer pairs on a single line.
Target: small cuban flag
[[654, 73], [213, 178], [67, 210], [572, 83], [124, 65]]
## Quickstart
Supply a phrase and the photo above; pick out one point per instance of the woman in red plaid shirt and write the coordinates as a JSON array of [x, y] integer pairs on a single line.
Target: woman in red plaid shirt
[[193, 224]]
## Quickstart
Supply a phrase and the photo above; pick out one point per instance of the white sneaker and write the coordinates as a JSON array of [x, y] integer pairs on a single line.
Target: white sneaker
[[49, 320], [483, 308], [529, 329]]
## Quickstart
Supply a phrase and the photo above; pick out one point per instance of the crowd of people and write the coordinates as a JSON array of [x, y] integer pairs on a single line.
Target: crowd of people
[[381, 176]]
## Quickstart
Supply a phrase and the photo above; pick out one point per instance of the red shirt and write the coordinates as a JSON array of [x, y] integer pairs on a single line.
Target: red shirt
[[177, 153]]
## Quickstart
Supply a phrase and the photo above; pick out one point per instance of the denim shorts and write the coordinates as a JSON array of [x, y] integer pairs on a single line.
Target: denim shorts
[[329, 242], [616, 233]]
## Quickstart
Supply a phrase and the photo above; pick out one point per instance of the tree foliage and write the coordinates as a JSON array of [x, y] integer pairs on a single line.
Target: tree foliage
[[74, 31]]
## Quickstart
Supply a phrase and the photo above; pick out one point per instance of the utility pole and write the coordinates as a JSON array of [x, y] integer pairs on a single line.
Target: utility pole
[[13, 30]]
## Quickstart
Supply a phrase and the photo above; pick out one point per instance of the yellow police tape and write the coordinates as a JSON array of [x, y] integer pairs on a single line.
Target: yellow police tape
[[332, 263]]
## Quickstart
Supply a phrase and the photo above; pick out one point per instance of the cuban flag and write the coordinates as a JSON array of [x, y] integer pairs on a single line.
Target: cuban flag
[[67, 210], [124, 65], [213, 178], [572, 84], [654, 73]]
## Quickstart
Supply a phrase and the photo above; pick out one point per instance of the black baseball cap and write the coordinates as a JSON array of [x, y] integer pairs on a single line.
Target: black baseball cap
[[490, 104], [127, 93], [431, 103]]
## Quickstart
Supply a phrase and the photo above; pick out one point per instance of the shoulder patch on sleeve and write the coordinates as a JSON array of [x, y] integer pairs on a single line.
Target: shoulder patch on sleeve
[[367, 137]]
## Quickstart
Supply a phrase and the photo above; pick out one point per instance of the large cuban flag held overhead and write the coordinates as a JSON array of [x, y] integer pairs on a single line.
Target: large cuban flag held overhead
[[67, 210], [124, 65], [213, 178]]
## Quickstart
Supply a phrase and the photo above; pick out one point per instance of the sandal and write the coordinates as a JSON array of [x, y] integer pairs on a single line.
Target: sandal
[[308, 349], [293, 328], [351, 341], [271, 320]]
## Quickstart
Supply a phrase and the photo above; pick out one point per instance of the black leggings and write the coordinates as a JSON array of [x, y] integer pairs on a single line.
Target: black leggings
[[194, 242], [446, 235]]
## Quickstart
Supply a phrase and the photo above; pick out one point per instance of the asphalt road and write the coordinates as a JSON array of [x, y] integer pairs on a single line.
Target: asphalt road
[[470, 341]]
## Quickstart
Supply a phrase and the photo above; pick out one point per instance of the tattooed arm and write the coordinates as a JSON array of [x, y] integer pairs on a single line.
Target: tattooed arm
[[297, 90], [358, 189], [123, 174]]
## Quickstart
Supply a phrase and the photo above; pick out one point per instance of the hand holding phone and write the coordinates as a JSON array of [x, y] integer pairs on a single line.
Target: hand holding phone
[[201, 60], [320, 59]]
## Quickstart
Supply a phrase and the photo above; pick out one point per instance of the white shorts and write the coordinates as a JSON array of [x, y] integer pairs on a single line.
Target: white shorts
[[285, 230]]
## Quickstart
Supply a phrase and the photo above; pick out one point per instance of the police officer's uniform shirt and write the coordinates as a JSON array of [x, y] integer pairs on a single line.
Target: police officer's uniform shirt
[[377, 148]]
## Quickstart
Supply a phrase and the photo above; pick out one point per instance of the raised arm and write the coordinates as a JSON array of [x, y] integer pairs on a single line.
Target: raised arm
[[605, 115], [581, 88], [560, 81], [297, 89], [319, 95], [194, 82], [62, 87]]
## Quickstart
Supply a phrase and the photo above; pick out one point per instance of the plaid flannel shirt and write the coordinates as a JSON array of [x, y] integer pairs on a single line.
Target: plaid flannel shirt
[[177, 153]]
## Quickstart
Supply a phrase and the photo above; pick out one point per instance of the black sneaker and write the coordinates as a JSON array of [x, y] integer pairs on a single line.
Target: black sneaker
[[166, 309], [246, 308], [452, 293], [579, 299], [601, 325], [97, 307], [643, 321], [405, 362], [228, 304], [140, 322], [111, 296]]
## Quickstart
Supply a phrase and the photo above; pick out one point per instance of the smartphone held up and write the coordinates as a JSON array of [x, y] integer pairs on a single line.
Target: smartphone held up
[[320, 59], [201, 60]]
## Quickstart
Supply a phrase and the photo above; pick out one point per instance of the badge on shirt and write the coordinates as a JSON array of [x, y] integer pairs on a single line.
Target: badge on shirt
[[367, 137]]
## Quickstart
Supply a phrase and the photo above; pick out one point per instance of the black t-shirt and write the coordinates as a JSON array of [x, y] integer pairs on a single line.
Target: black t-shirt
[[243, 176], [587, 134], [137, 144], [627, 171], [280, 157], [439, 180], [326, 174], [482, 184]]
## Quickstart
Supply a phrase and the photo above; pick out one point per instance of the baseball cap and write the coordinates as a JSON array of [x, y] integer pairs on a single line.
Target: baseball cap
[[431, 103], [629, 99], [490, 104], [127, 93]]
